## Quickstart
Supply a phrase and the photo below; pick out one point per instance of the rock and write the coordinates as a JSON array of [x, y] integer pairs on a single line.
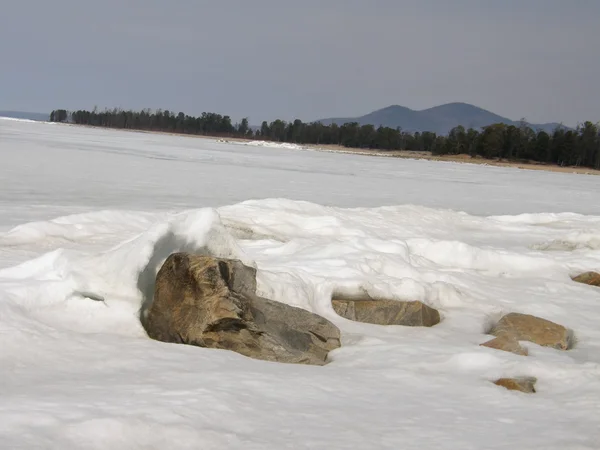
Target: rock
[[506, 343], [523, 384], [387, 312], [524, 327], [211, 302], [591, 278]]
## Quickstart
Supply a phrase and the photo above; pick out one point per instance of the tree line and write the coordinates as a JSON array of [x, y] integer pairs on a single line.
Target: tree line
[[564, 146]]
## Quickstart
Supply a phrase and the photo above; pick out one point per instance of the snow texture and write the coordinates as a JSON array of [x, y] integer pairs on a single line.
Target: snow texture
[[89, 215]]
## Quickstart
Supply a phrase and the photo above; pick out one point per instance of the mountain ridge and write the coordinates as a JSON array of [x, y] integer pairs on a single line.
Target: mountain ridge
[[438, 119]]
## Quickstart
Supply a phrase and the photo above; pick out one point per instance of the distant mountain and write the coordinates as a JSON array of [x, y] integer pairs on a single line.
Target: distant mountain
[[439, 119], [41, 117]]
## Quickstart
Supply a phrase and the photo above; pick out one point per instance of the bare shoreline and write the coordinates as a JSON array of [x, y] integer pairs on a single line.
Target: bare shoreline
[[405, 154]]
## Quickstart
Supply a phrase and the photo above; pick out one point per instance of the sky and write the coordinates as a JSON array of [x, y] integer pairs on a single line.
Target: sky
[[306, 59]]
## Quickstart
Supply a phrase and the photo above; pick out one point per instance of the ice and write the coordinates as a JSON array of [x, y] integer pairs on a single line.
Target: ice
[[89, 215], [274, 145]]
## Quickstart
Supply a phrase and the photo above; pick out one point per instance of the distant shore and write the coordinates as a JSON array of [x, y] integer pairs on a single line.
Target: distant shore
[[406, 154], [465, 159]]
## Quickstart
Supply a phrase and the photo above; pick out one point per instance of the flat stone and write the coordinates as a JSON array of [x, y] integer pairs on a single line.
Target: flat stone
[[387, 312], [524, 327], [506, 343], [522, 384], [591, 278], [211, 302]]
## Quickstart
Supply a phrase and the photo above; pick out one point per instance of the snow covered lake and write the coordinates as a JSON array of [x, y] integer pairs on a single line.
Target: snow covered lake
[[82, 211]]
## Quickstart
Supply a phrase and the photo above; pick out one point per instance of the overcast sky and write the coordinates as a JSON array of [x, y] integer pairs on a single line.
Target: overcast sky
[[307, 59]]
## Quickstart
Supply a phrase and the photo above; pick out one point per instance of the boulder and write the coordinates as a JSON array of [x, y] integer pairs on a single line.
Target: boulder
[[591, 278], [524, 327], [211, 302], [387, 312], [506, 343], [523, 384]]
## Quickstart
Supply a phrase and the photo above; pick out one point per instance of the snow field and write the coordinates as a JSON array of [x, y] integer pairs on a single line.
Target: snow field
[[78, 371]]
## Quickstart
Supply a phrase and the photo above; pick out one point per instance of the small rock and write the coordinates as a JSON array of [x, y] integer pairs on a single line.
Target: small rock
[[524, 327], [591, 278], [211, 302], [387, 312], [523, 384], [506, 343]]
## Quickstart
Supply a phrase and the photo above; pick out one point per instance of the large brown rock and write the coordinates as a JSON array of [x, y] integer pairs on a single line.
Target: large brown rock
[[386, 312], [524, 327], [523, 384], [506, 343], [211, 302], [591, 278]]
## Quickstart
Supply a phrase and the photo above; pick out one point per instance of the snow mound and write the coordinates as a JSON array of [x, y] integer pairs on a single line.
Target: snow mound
[[121, 275], [306, 253]]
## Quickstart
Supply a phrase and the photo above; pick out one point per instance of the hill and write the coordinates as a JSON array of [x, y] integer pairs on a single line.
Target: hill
[[40, 117], [439, 119]]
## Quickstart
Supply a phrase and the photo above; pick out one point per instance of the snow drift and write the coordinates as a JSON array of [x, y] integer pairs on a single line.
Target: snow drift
[[122, 274], [305, 253]]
